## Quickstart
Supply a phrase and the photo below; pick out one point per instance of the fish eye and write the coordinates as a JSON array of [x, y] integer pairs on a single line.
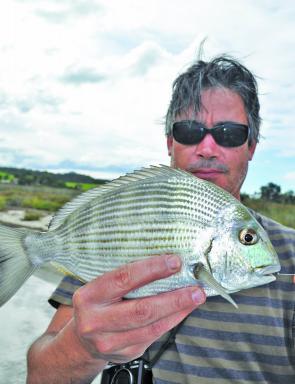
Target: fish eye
[[248, 236]]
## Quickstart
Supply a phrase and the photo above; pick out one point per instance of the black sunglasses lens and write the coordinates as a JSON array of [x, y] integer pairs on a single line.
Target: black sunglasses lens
[[188, 132], [226, 135], [230, 135]]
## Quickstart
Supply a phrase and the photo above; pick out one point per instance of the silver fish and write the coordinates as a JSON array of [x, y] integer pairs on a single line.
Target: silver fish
[[152, 211]]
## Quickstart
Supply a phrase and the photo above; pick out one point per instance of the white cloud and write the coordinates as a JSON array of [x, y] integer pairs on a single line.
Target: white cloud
[[290, 176], [87, 82]]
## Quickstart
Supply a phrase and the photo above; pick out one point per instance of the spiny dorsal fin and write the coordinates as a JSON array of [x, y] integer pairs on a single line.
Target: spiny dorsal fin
[[84, 198]]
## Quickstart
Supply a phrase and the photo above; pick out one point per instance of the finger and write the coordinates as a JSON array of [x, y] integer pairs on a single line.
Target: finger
[[136, 341], [115, 284], [135, 313]]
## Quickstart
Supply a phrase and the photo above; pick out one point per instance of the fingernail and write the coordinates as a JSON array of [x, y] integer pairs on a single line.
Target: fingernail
[[173, 262], [198, 296]]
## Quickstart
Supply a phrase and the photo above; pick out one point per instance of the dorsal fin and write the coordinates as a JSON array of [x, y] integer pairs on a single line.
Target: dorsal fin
[[84, 198]]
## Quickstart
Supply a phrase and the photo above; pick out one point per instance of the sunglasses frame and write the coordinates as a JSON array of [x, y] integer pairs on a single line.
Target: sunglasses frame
[[193, 126]]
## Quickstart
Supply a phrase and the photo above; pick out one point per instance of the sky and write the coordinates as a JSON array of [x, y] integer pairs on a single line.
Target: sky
[[84, 85]]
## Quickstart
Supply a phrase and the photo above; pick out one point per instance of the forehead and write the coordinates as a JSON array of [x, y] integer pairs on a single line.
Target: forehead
[[217, 104]]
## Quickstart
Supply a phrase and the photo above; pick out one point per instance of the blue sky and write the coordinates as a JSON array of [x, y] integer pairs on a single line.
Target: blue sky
[[84, 85]]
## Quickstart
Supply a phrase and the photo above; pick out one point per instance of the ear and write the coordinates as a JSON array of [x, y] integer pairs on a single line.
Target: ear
[[169, 144], [251, 150]]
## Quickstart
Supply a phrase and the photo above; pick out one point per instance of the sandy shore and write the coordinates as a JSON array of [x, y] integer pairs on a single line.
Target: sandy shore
[[16, 217], [27, 314]]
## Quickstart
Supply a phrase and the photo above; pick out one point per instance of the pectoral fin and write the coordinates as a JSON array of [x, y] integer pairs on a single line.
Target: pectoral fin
[[202, 274]]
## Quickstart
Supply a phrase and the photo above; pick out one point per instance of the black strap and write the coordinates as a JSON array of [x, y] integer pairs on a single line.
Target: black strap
[[165, 345], [144, 360]]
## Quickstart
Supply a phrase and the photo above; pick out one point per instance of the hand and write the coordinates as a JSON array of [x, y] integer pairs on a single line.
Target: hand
[[119, 330]]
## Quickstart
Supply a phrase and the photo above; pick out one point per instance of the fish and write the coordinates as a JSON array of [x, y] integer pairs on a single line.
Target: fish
[[151, 211]]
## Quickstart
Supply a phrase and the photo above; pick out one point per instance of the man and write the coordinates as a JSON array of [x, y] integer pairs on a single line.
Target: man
[[216, 108]]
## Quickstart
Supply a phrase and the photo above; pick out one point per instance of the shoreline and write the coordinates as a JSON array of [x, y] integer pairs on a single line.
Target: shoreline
[[15, 217]]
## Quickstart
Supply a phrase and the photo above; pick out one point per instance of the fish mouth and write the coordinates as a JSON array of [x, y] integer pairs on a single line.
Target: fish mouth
[[267, 271], [260, 276]]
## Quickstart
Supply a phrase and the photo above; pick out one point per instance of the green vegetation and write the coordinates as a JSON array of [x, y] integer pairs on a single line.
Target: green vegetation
[[3, 202], [80, 186], [6, 177], [272, 192], [33, 215], [274, 204], [40, 191], [37, 197], [41, 202], [283, 213], [22, 176], [38, 200]]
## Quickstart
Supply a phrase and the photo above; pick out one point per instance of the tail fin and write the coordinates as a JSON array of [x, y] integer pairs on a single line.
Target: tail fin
[[15, 265]]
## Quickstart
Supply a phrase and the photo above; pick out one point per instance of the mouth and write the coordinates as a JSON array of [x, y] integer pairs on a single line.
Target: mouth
[[267, 271], [256, 278], [207, 173]]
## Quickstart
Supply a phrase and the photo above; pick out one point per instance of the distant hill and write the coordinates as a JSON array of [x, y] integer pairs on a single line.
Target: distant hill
[[24, 176]]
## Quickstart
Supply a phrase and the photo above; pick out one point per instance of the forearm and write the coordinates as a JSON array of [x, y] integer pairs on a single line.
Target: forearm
[[60, 359]]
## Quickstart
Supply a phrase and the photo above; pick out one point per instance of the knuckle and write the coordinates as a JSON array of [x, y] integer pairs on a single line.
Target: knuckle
[[182, 299], [143, 310], [123, 277], [77, 298], [179, 301], [157, 266], [157, 329]]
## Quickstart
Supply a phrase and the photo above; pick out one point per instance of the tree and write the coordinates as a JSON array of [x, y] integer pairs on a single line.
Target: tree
[[271, 192], [288, 197]]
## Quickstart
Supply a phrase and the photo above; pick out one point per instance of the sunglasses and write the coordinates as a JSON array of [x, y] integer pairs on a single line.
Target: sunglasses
[[227, 134]]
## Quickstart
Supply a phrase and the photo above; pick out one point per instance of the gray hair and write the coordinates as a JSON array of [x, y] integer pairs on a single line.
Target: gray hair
[[222, 71]]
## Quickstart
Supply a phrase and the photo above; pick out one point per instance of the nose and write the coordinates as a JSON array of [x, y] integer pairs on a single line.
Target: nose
[[207, 148]]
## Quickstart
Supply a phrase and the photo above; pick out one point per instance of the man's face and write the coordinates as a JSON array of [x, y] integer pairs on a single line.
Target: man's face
[[225, 167]]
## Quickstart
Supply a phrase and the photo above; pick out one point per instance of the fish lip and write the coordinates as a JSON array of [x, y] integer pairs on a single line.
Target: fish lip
[[258, 281], [269, 270], [261, 276]]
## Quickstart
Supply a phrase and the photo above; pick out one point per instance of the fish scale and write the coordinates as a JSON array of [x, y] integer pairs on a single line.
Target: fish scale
[[153, 211], [148, 235], [176, 190]]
